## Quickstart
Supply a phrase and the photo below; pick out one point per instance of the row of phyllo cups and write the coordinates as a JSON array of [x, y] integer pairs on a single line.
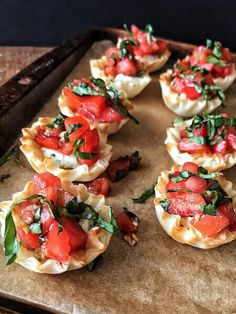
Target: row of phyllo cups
[[194, 203], [52, 225]]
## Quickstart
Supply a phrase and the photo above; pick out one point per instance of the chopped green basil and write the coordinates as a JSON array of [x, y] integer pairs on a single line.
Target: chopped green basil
[[145, 195], [58, 122], [37, 215], [84, 155], [209, 209], [165, 205], [216, 61], [123, 51], [72, 128], [35, 228], [197, 139]]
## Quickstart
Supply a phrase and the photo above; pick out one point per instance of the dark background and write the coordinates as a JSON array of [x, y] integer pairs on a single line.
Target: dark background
[[47, 23]]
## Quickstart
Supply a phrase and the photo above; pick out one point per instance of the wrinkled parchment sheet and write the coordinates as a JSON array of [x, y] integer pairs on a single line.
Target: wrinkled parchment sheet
[[158, 275]]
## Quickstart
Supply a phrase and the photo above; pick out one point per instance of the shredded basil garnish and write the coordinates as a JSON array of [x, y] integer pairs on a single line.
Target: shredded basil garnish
[[58, 122], [123, 48], [165, 205], [72, 128], [145, 195], [35, 228]]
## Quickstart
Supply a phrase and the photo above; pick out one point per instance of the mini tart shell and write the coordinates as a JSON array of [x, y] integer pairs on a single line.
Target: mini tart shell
[[41, 163], [179, 228], [180, 103], [211, 162], [107, 128], [131, 86], [152, 63], [225, 82], [97, 243]]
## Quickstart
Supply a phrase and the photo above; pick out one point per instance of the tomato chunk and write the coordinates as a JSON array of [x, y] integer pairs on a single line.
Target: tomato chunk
[[221, 147], [202, 131], [210, 226], [91, 145], [185, 203], [110, 115], [196, 184], [46, 218], [231, 138], [125, 223], [228, 211], [56, 245], [77, 236], [127, 67], [46, 184], [191, 167], [63, 198], [28, 239], [191, 147], [46, 140], [27, 210], [100, 186], [118, 169], [171, 185]]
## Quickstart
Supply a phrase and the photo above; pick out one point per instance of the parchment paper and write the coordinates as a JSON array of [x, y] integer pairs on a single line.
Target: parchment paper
[[158, 275]]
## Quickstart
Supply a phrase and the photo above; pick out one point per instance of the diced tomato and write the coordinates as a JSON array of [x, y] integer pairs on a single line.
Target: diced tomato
[[171, 185], [100, 186], [226, 55], [75, 120], [66, 148], [63, 198], [185, 203], [231, 139], [228, 211], [56, 245], [228, 70], [46, 184], [191, 147], [110, 115], [217, 71], [183, 133], [28, 239], [162, 46], [191, 167], [202, 131], [191, 92], [230, 129], [77, 236], [220, 148], [178, 85], [127, 67], [199, 55], [110, 71], [196, 184], [45, 140], [135, 30], [46, 218], [117, 169], [125, 223], [112, 56], [27, 210], [210, 226], [91, 145]]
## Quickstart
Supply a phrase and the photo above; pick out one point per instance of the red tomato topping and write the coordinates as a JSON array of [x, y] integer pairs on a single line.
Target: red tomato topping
[[231, 139], [210, 226], [100, 186], [46, 184], [112, 56], [191, 147], [63, 198], [46, 218], [56, 245], [46, 139], [127, 67], [28, 239], [91, 145], [196, 184], [125, 223], [220, 148], [27, 210], [202, 131], [77, 236], [228, 211], [171, 185], [116, 166], [185, 203], [191, 167], [110, 115]]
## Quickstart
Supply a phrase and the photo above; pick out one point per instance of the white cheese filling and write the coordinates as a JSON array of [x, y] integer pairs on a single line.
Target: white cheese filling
[[63, 161]]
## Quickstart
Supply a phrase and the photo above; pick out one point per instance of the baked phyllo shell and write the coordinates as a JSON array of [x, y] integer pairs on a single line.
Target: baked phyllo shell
[[211, 162], [107, 128], [97, 243], [132, 86], [227, 81], [181, 104], [152, 63], [180, 228], [42, 163]]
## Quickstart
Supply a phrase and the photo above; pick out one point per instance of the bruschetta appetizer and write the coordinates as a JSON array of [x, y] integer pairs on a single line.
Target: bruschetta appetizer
[[100, 105], [66, 147], [217, 60], [208, 140], [151, 53], [196, 207], [120, 69], [53, 226], [187, 90]]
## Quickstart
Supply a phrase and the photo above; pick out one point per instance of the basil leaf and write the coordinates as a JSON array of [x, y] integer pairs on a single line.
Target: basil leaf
[[37, 215], [145, 195], [209, 209], [58, 122], [123, 51], [11, 243], [209, 43], [208, 176], [165, 205], [35, 228], [84, 155], [72, 128], [197, 139], [217, 49], [149, 30], [92, 265], [182, 176], [77, 144], [99, 83], [216, 61], [219, 138], [111, 226], [79, 210]]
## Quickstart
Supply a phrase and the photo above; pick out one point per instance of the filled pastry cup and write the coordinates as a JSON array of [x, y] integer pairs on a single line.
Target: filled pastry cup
[[42, 257], [153, 63], [186, 229], [130, 85], [181, 104], [212, 159], [101, 116], [44, 159]]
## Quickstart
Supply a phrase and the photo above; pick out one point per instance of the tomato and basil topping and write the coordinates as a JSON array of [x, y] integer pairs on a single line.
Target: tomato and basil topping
[[210, 134], [194, 81], [50, 222], [214, 58], [99, 186], [193, 192], [146, 42], [70, 136], [95, 101]]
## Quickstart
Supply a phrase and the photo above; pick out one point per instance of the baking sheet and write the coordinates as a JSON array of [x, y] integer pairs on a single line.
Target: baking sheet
[[158, 275]]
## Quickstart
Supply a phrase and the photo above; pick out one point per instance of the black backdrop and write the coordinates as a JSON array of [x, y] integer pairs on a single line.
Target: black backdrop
[[46, 23]]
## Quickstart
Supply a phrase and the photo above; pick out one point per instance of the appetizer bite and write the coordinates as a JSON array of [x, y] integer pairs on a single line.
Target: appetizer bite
[[208, 140], [151, 53], [217, 60], [120, 69], [53, 226], [103, 107], [188, 90], [196, 207], [66, 147]]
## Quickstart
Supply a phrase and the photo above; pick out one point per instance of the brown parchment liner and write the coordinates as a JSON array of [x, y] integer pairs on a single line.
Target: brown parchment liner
[[107, 128], [98, 239], [181, 104], [41, 163], [132, 86], [179, 228], [212, 162]]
